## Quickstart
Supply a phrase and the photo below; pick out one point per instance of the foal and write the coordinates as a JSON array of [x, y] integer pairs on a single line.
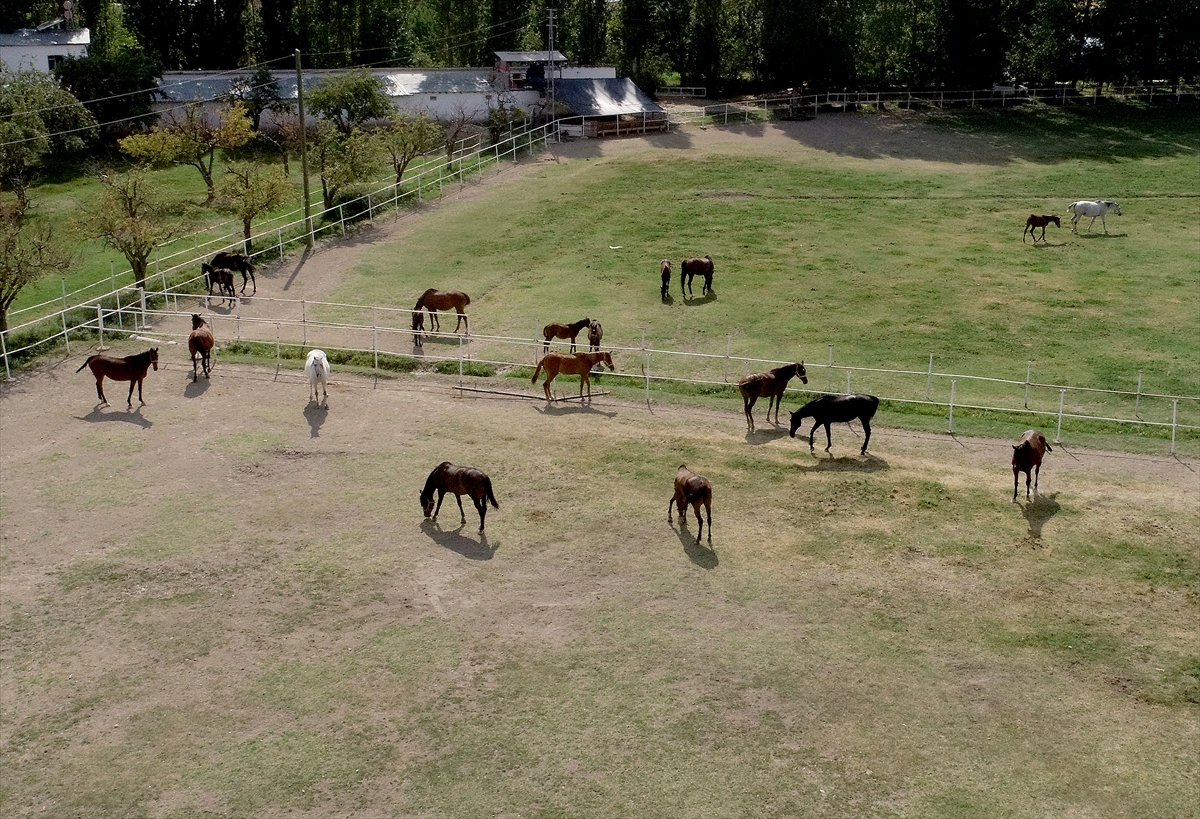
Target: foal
[[694, 490], [1034, 222], [771, 384], [664, 268], [555, 330], [579, 364], [200, 344], [1027, 456]]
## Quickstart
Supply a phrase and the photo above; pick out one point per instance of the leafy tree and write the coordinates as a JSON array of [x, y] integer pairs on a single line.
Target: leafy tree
[[348, 100], [258, 93], [251, 189], [192, 139], [342, 160], [37, 117], [406, 137], [502, 118], [131, 218], [26, 254], [118, 87]]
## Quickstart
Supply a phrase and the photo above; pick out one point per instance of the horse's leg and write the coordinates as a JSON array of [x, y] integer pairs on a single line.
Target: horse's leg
[[461, 513], [867, 429], [828, 437], [1091, 223], [699, 520], [139, 383], [1102, 222], [438, 508], [811, 434], [708, 514], [1037, 470], [747, 407], [481, 507], [1016, 479], [546, 386], [100, 390], [133, 382], [583, 379]]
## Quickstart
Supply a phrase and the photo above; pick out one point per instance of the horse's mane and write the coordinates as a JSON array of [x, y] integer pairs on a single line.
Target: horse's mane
[[431, 482], [579, 325]]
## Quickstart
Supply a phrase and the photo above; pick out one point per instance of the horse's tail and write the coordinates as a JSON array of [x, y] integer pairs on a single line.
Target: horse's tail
[[466, 299], [536, 371], [84, 364], [487, 484], [1071, 207]]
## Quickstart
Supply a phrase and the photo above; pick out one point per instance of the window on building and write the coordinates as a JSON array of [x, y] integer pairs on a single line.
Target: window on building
[[432, 97], [54, 60]]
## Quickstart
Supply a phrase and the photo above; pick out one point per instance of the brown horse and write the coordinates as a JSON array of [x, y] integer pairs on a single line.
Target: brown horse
[[1027, 457], [695, 490], [827, 409], [434, 300], [689, 269], [664, 268], [240, 262], [222, 278], [771, 384], [461, 480], [595, 333], [555, 330], [131, 368], [1034, 221], [200, 344], [579, 364]]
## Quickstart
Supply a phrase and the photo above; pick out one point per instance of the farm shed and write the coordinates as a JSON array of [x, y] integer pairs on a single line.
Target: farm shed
[[29, 48], [611, 106]]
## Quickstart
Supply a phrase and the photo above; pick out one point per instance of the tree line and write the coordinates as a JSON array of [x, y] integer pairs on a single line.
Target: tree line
[[725, 45]]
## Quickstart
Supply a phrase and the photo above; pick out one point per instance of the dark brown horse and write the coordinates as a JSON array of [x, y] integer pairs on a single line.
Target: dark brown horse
[[222, 278], [131, 368], [555, 330], [579, 364], [1034, 221], [694, 490], [689, 269], [830, 408], [200, 344], [461, 480], [1027, 457], [664, 268], [434, 300], [771, 384], [595, 333], [239, 262]]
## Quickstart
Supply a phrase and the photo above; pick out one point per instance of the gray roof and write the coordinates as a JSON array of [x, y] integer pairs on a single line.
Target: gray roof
[[183, 86], [604, 97], [530, 56], [49, 37]]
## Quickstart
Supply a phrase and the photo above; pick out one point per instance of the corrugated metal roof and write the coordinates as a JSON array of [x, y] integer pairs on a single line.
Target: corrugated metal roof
[[59, 36], [604, 97], [530, 56], [184, 86]]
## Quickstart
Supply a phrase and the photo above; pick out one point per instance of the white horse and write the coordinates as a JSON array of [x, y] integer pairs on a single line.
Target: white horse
[[1092, 209], [317, 370]]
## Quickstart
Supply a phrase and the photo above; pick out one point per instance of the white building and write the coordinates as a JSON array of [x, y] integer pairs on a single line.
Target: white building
[[29, 48]]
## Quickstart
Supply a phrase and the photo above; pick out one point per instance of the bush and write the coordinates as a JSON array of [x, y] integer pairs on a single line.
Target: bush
[[350, 203]]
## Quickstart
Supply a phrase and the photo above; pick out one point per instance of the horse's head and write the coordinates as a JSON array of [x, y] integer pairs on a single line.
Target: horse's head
[[1114, 207], [154, 358], [427, 503], [797, 417], [1057, 222], [802, 373], [606, 358], [418, 320], [197, 322]]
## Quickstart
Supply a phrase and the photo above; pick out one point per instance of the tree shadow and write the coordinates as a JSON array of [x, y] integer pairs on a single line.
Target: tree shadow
[[195, 389], [1038, 511], [765, 436], [127, 416], [846, 463], [703, 556], [316, 414], [455, 542]]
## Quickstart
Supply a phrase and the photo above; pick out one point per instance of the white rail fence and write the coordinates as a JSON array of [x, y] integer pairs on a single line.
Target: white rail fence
[[386, 331]]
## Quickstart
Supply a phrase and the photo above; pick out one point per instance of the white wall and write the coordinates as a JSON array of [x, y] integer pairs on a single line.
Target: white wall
[[24, 51]]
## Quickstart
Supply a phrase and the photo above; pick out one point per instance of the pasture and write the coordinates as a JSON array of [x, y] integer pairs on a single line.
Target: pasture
[[228, 603]]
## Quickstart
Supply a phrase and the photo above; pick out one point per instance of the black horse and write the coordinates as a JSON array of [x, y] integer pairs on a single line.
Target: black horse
[[240, 262], [841, 408], [461, 480]]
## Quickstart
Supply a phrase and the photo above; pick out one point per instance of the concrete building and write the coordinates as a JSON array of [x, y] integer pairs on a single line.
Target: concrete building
[[28, 48]]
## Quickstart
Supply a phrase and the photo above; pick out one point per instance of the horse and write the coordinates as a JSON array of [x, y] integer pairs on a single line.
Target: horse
[[222, 277], [595, 333], [579, 364], [664, 267], [200, 344], [1092, 209], [418, 327], [131, 368], [691, 489], [771, 384], [1027, 457], [689, 269], [1034, 221], [461, 480], [240, 262], [434, 300], [555, 330], [317, 370], [829, 408]]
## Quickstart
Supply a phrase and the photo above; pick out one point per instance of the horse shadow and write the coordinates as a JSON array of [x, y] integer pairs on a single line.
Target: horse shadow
[[668, 300], [764, 436], [316, 414], [1038, 511], [573, 408], [708, 297], [703, 556], [1102, 235], [195, 389], [129, 417], [455, 542], [846, 463]]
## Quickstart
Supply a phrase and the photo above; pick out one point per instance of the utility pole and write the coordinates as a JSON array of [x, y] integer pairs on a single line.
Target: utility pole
[[308, 236], [550, 61]]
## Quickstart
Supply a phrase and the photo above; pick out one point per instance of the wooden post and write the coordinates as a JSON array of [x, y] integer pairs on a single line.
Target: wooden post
[[1062, 395]]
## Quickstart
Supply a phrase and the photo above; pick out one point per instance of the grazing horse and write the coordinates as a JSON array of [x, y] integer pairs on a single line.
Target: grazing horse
[[418, 327], [1092, 209], [555, 330], [771, 384], [434, 300], [461, 480], [664, 267], [131, 368], [222, 277], [240, 262], [595, 333], [689, 269], [579, 364], [317, 370], [1034, 221], [200, 344], [829, 408], [1027, 457], [694, 490]]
